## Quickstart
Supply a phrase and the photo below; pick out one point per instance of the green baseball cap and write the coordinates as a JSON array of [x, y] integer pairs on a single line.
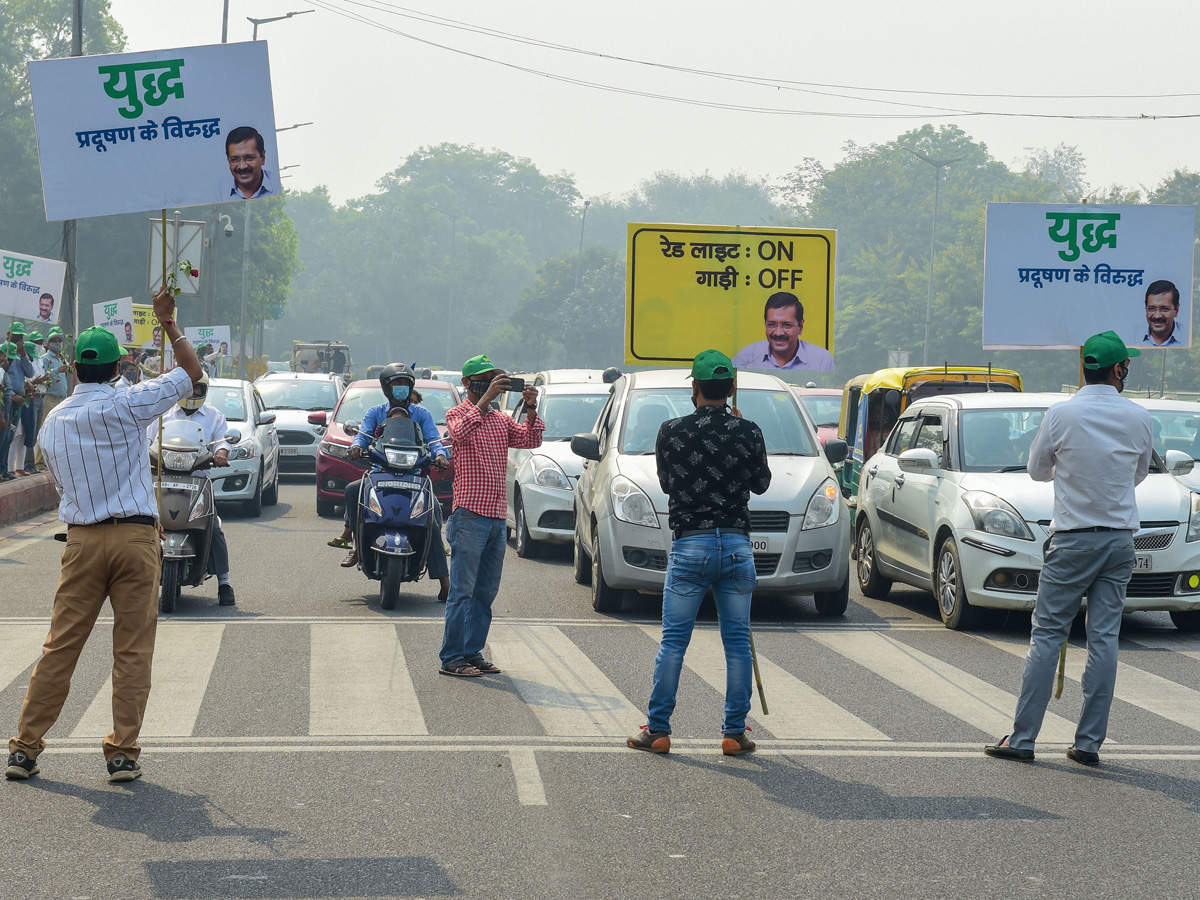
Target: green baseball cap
[[17, 328], [9, 349], [1106, 349], [33, 351], [712, 365], [96, 346], [35, 336], [477, 364], [55, 330]]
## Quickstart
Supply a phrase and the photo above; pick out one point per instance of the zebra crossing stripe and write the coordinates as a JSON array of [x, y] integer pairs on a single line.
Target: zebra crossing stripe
[[562, 687], [950, 689], [359, 682], [20, 647], [797, 710], [184, 656]]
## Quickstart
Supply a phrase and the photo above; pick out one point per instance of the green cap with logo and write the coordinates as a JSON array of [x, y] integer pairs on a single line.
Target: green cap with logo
[[17, 328], [477, 364], [55, 330], [35, 336], [96, 347], [712, 365], [1106, 349], [9, 349]]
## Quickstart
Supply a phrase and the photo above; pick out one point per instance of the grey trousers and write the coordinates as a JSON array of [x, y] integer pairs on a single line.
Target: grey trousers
[[1100, 565]]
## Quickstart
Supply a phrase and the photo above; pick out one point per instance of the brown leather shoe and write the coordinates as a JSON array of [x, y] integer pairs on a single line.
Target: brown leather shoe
[[652, 741], [737, 744]]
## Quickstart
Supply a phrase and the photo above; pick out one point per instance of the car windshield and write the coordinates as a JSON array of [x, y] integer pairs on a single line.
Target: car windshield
[[437, 400], [1175, 429], [355, 403], [231, 401], [290, 393], [567, 415], [825, 410], [783, 428], [995, 440]]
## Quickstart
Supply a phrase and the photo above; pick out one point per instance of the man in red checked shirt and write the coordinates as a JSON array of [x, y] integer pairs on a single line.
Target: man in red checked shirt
[[479, 440]]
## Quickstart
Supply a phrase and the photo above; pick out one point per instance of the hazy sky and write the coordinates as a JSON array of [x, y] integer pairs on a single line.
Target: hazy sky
[[375, 96]]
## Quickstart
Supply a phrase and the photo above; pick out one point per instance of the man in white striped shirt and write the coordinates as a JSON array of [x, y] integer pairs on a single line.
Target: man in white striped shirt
[[97, 449]]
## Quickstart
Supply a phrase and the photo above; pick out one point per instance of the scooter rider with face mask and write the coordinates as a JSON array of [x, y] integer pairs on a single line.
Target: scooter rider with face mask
[[212, 422], [397, 381]]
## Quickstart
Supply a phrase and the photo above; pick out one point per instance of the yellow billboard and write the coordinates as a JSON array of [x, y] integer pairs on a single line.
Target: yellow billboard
[[146, 331], [761, 295]]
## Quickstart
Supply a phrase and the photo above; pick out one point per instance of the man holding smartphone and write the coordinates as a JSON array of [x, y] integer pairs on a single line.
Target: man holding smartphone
[[480, 437]]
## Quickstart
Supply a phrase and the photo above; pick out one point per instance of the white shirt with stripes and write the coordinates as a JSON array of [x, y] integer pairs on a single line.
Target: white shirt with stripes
[[97, 449], [209, 419]]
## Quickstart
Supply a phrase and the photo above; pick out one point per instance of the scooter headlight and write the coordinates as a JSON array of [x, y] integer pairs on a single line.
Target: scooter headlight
[[178, 460], [373, 503], [402, 459]]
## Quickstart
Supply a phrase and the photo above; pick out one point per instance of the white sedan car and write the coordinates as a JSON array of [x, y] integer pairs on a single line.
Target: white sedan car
[[256, 458], [948, 506], [1176, 426], [541, 482]]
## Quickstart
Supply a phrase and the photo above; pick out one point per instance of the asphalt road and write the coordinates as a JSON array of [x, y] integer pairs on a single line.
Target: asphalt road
[[303, 745]]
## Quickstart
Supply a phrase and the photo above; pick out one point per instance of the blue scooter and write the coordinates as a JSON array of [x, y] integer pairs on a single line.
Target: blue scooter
[[396, 525]]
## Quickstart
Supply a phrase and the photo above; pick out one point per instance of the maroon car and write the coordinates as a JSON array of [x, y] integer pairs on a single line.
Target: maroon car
[[335, 469], [824, 407]]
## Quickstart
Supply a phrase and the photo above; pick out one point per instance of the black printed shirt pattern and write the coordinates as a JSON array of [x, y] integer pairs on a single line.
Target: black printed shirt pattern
[[708, 463]]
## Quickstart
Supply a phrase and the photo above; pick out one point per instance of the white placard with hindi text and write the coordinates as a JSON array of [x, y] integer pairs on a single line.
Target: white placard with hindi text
[[30, 286], [117, 317], [217, 336], [131, 132]]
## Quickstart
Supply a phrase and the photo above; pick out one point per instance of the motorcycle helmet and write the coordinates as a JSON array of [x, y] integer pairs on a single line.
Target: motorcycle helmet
[[397, 381], [199, 393]]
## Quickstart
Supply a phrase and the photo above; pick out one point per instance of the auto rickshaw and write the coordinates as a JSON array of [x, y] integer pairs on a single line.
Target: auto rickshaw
[[872, 403], [332, 357]]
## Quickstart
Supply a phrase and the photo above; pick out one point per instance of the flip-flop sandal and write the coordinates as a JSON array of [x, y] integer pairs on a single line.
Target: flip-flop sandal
[[486, 667], [463, 671], [341, 543]]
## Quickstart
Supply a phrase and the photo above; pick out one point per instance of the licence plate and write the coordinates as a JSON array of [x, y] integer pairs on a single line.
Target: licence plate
[[1143, 562], [289, 451]]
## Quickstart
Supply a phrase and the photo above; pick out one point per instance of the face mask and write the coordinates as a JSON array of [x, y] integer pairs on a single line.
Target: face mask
[[400, 392], [55, 347], [1123, 374]]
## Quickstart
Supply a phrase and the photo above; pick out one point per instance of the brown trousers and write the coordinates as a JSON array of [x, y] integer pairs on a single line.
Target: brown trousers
[[121, 562]]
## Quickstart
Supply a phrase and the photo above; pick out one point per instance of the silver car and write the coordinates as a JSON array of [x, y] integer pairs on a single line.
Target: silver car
[[292, 396], [541, 482], [256, 457], [800, 528]]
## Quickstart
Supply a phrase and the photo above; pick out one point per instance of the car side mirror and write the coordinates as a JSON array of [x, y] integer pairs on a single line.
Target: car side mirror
[[233, 436], [266, 418], [919, 461], [318, 418], [1179, 463], [586, 445], [836, 450]]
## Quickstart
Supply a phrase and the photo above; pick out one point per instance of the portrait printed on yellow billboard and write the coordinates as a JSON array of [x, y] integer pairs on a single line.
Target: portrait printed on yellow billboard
[[761, 295]]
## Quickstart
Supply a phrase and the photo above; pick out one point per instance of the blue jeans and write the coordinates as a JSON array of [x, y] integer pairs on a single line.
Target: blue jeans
[[725, 563], [6, 436], [1098, 564], [477, 557]]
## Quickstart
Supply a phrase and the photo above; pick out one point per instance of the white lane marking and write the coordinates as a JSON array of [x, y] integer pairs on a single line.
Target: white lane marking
[[1151, 692], [969, 699], [358, 682], [183, 663], [20, 647], [1177, 643], [16, 543], [796, 710], [530, 790], [562, 687]]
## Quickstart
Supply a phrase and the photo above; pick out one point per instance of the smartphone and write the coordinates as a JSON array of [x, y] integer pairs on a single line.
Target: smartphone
[[516, 384]]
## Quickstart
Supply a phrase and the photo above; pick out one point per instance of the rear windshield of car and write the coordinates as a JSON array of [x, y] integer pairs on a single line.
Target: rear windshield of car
[[567, 415], [287, 393], [231, 401], [825, 410], [774, 412]]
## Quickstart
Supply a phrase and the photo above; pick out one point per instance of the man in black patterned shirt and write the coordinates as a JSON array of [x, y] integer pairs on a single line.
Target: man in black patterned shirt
[[708, 463]]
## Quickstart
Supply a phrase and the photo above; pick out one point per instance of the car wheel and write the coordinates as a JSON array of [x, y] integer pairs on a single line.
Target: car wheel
[[325, 508], [271, 495], [870, 582], [583, 565], [833, 603], [1186, 620], [948, 588], [604, 598], [254, 505], [526, 546]]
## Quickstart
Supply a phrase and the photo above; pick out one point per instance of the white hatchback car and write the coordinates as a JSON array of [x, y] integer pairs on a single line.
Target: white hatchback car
[[948, 506], [256, 458], [1176, 426], [292, 396], [799, 529], [541, 482]]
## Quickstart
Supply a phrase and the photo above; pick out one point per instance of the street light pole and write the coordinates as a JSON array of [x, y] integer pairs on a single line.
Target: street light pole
[[579, 255], [938, 165]]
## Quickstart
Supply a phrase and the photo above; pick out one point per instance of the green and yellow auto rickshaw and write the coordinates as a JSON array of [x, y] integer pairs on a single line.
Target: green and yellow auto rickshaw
[[872, 403]]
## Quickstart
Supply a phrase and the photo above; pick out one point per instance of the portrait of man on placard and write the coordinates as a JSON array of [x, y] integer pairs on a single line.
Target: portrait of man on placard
[[1162, 312], [45, 311], [246, 156], [783, 321]]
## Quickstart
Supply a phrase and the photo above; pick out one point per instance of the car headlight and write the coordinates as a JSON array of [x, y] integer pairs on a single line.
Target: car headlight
[[402, 459], [337, 450], [1193, 532], [630, 503], [824, 507], [244, 450], [548, 473], [995, 516]]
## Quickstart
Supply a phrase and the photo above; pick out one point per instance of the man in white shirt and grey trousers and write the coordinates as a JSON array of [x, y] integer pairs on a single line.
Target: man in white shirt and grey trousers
[[1096, 448], [96, 447]]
